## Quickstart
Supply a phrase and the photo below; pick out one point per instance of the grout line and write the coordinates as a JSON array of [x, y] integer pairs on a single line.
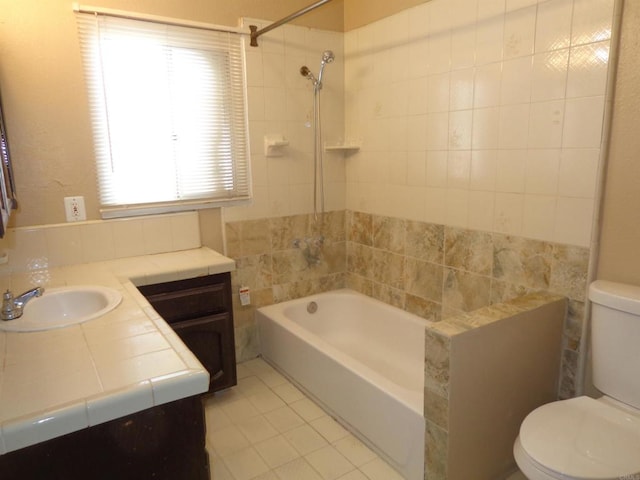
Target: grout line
[[329, 450]]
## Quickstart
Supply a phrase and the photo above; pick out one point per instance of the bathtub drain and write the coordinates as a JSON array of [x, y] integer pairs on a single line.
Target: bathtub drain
[[312, 307]]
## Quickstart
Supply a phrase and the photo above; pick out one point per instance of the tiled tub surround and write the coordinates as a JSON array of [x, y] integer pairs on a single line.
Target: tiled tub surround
[[275, 270], [431, 270], [484, 372], [437, 271], [59, 381]]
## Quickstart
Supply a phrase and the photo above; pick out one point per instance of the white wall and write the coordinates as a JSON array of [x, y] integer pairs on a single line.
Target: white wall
[[481, 114]]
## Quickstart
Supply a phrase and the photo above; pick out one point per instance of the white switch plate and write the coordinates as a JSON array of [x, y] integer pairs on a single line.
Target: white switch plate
[[74, 209]]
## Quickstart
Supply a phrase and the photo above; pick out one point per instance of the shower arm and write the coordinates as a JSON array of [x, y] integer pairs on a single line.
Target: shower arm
[[255, 33]]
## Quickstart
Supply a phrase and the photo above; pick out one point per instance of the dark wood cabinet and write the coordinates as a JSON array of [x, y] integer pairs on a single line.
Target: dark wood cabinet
[[200, 312], [166, 442]]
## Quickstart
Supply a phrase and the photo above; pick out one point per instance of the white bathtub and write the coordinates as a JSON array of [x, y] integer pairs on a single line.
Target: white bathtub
[[363, 360]]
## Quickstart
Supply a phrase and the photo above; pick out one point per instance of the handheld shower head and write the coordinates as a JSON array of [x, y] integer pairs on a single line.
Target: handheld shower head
[[328, 56], [305, 72]]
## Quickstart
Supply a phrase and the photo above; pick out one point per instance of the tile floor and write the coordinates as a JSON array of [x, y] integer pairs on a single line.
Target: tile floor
[[266, 429]]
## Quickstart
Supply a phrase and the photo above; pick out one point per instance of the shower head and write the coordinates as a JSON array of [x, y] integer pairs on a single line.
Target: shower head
[[328, 56], [305, 72]]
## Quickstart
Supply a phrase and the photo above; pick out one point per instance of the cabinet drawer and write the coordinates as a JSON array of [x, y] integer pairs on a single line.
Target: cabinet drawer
[[186, 299]]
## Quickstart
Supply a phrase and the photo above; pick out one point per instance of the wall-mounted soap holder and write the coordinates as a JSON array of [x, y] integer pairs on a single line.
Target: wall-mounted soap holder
[[274, 145], [347, 148]]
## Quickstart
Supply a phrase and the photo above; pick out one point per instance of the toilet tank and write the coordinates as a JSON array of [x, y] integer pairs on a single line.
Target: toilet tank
[[615, 340]]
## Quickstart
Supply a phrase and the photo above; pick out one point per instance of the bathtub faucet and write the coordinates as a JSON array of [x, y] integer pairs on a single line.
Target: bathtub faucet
[[311, 249]]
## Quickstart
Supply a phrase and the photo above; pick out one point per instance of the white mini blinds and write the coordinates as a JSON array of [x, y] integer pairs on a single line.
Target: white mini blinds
[[169, 116]]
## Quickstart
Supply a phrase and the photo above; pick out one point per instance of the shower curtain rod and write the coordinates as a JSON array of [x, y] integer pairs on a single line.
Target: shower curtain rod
[[255, 33]]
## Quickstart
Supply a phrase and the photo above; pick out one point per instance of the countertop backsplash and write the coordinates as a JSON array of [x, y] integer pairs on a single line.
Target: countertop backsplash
[[35, 249]]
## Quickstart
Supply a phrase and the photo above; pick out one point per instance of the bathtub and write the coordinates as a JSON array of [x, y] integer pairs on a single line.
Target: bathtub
[[363, 360]]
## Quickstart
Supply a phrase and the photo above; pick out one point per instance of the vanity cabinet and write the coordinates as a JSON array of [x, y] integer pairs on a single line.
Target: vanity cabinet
[[200, 312], [165, 442]]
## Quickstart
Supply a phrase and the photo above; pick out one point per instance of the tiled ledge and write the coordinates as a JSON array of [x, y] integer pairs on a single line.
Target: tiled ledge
[[484, 372], [59, 381]]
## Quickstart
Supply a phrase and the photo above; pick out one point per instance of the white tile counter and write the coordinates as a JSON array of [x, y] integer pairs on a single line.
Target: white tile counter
[[59, 381]]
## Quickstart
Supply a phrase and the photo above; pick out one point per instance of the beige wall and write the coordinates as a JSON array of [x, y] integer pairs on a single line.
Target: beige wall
[[362, 12], [44, 95], [620, 238]]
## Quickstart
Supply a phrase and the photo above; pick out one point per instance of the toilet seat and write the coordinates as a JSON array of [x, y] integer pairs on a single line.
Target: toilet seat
[[583, 439]]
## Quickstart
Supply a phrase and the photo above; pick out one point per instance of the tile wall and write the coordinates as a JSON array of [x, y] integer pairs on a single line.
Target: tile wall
[[438, 271], [280, 102], [275, 270], [480, 123], [41, 247], [481, 114], [432, 270]]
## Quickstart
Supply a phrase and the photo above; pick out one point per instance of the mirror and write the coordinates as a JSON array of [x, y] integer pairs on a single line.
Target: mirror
[[8, 199]]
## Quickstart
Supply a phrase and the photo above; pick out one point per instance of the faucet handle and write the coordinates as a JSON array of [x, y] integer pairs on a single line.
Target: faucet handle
[[7, 312]]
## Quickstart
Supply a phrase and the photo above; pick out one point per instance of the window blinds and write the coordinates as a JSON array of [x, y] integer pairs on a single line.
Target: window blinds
[[168, 109]]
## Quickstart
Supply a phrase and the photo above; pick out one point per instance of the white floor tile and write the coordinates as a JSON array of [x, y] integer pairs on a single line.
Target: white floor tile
[[284, 419], [242, 371], [270, 475], [219, 470], [240, 409], [222, 398], [307, 409], [227, 440], [266, 401], [288, 392], [354, 450], [329, 463], [256, 429], [299, 469], [276, 451], [251, 385], [267, 429], [258, 365], [245, 464], [329, 428], [273, 379], [355, 475], [305, 439], [379, 470], [216, 419]]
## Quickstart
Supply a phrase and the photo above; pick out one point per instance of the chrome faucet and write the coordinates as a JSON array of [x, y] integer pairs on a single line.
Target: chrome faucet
[[12, 307], [311, 249]]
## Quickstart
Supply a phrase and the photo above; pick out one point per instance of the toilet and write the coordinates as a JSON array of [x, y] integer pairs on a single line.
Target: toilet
[[586, 438]]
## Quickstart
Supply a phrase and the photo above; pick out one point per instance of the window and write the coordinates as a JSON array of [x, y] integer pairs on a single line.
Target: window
[[168, 114]]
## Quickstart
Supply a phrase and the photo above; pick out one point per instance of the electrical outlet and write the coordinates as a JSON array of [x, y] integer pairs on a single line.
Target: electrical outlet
[[74, 209]]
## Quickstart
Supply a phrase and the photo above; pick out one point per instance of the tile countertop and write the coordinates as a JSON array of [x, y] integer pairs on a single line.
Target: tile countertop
[[59, 381]]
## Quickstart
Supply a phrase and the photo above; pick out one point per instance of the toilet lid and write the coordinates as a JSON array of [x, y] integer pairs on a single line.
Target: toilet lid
[[583, 438]]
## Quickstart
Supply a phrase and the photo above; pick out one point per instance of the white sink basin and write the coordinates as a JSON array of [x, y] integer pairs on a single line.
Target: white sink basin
[[64, 306]]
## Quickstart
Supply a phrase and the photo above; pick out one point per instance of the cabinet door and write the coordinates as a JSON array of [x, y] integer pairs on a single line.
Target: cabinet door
[[211, 340]]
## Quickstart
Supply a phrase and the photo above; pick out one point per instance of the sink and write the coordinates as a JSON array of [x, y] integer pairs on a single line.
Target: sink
[[64, 306]]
